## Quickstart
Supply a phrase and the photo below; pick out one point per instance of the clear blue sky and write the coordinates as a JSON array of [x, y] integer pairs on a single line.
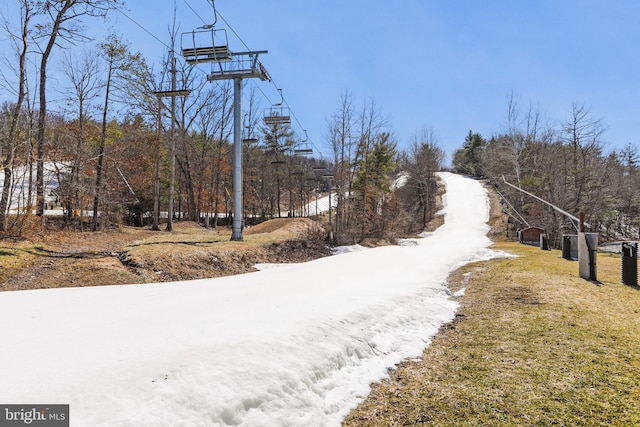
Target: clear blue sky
[[448, 65]]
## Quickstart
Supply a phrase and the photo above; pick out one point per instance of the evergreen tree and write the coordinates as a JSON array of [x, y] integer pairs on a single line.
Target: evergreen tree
[[373, 182], [278, 139], [469, 159]]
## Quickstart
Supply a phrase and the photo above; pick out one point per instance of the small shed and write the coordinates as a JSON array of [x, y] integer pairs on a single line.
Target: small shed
[[531, 235]]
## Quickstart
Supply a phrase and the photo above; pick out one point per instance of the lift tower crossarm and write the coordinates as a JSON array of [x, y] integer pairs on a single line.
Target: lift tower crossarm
[[241, 65]]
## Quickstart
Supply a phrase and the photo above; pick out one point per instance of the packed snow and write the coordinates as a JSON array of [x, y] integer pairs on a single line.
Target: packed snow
[[319, 205], [292, 346]]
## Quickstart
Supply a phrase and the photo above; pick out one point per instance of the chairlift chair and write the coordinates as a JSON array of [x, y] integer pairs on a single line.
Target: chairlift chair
[[205, 45], [276, 115], [306, 149]]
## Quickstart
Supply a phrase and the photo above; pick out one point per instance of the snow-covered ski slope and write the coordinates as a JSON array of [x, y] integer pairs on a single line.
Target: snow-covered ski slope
[[292, 346]]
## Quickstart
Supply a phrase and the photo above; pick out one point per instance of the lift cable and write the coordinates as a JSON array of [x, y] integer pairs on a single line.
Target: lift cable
[[283, 100], [521, 220], [272, 81], [141, 27], [233, 31], [197, 14]]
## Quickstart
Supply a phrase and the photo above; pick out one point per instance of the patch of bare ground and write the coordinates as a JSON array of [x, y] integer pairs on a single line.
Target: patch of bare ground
[[498, 220], [438, 219], [133, 255], [286, 226]]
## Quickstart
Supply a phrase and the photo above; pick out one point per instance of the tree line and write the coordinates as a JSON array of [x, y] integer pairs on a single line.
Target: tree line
[[380, 191], [123, 154], [566, 164]]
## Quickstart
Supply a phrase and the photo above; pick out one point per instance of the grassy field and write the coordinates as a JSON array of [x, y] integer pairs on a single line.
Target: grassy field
[[532, 345]]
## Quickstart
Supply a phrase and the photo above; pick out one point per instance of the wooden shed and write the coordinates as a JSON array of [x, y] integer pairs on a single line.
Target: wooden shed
[[531, 235]]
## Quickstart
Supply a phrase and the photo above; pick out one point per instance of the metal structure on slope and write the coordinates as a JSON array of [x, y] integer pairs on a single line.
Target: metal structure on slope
[[210, 45]]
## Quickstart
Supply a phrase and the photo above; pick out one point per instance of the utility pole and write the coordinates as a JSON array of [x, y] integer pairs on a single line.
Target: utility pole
[[172, 172], [172, 94], [156, 184]]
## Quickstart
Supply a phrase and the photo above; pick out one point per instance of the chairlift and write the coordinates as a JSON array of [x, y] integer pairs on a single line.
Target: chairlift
[[250, 141], [307, 148], [277, 116], [277, 113], [205, 45]]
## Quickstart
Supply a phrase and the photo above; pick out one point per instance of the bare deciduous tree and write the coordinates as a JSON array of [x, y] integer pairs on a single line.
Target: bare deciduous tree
[[11, 141], [342, 141], [582, 134], [423, 160], [61, 20], [119, 60], [83, 74]]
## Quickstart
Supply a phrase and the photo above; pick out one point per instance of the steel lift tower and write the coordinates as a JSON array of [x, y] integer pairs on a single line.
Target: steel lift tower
[[208, 45]]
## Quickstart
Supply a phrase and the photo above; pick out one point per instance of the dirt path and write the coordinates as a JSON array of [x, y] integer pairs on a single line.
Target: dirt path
[[64, 259]]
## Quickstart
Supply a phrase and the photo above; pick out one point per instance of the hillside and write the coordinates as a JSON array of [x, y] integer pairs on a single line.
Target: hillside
[[133, 255], [294, 345]]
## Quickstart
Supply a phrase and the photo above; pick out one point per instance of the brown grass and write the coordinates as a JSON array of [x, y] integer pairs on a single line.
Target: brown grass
[[533, 344], [129, 255]]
